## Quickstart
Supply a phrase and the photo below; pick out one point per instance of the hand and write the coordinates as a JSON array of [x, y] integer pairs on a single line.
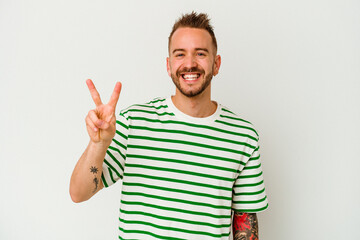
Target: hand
[[100, 122]]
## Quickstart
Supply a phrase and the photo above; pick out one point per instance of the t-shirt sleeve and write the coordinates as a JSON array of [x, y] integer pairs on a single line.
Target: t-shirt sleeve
[[249, 190], [114, 162]]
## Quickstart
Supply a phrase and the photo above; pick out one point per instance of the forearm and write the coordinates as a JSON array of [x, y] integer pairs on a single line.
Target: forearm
[[245, 226], [86, 177]]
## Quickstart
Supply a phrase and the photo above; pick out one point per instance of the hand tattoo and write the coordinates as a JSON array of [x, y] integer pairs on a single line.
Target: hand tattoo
[[245, 226], [95, 170]]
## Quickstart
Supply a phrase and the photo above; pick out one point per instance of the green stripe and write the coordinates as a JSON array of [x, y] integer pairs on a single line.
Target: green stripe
[[157, 100], [189, 153], [234, 118], [128, 165], [177, 190], [250, 202], [114, 158], [180, 210], [175, 219], [226, 110], [238, 126], [149, 112], [110, 166], [254, 158], [181, 162], [173, 228], [248, 184], [121, 134], [147, 233], [111, 176], [190, 134], [177, 181], [252, 210], [122, 124], [250, 176], [249, 193], [120, 144], [194, 125], [103, 180], [175, 200], [252, 167], [118, 151], [187, 143], [149, 106]]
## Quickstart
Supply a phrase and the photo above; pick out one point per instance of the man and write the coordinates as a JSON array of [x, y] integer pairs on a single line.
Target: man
[[185, 161]]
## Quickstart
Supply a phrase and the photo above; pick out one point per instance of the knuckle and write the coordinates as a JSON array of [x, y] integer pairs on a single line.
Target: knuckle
[[93, 115]]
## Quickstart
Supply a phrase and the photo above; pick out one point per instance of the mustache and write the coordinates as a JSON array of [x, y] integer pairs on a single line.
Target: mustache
[[188, 70]]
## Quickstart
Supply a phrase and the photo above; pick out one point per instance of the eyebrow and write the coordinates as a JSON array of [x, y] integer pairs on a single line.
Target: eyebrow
[[183, 50], [202, 49], [178, 50]]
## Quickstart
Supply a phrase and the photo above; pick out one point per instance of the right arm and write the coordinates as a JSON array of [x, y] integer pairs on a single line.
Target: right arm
[[86, 178], [100, 123]]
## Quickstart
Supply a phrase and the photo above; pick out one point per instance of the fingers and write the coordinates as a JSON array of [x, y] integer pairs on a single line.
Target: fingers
[[90, 124], [94, 122], [115, 95], [94, 93]]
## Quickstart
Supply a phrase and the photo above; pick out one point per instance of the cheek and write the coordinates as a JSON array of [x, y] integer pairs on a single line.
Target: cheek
[[175, 66], [207, 65]]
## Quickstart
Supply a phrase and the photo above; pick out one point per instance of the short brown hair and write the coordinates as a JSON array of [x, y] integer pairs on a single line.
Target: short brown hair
[[194, 20]]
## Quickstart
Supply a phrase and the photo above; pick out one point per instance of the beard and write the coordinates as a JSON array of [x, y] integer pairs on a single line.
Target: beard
[[193, 92]]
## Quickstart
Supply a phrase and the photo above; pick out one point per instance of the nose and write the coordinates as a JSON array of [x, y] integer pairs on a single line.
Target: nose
[[190, 62]]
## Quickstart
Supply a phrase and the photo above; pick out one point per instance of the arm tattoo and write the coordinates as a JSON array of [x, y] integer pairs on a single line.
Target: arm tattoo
[[245, 226], [95, 170]]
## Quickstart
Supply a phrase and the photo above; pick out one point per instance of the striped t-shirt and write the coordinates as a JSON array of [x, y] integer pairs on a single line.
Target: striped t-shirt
[[182, 175]]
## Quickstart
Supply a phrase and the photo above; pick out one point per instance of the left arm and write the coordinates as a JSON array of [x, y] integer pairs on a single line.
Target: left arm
[[245, 226]]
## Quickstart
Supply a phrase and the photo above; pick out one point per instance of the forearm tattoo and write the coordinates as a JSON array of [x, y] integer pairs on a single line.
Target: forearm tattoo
[[95, 170], [245, 226]]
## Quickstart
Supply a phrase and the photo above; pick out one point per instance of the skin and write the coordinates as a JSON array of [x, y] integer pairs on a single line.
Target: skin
[[245, 226], [190, 50], [100, 124], [193, 49]]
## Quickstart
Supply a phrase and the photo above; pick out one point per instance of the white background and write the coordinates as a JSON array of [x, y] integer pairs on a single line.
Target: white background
[[290, 67]]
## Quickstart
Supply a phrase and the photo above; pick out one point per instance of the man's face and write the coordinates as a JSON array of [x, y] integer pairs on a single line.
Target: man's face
[[192, 61]]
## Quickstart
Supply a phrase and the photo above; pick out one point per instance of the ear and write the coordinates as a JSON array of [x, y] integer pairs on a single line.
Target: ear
[[168, 66], [217, 64]]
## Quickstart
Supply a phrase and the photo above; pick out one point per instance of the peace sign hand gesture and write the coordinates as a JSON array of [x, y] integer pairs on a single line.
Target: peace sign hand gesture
[[100, 122]]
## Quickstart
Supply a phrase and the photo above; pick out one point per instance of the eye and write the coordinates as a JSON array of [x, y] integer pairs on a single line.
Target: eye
[[201, 54], [179, 55]]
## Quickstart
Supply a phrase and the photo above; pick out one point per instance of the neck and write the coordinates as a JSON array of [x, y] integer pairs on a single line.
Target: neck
[[199, 106]]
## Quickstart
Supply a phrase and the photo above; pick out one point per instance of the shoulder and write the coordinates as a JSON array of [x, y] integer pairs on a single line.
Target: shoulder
[[151, 106], [232, 121]]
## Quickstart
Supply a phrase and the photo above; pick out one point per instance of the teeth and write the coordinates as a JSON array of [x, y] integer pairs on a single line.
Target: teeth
[[190, 76]]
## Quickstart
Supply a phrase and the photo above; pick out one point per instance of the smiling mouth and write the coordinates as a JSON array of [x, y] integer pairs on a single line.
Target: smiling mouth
[[190, 76]]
